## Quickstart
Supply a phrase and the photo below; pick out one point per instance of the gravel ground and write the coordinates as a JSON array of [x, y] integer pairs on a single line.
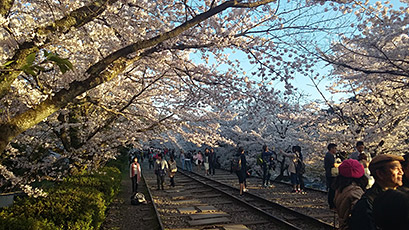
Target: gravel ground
[[122, 215]]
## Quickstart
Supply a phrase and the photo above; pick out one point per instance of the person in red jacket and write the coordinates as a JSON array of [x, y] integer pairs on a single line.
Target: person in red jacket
[[135, 174]]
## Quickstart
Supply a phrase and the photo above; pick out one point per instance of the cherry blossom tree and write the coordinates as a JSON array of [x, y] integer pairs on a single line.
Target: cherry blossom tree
[[95, 74], [371, 66]]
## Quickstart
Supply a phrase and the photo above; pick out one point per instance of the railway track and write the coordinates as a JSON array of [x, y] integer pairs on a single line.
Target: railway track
[[199, 202]]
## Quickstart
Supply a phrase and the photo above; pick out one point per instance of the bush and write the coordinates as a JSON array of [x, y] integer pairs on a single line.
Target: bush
[[77, 203]]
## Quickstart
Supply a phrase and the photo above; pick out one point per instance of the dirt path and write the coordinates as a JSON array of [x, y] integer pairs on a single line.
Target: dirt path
[[124, 216]]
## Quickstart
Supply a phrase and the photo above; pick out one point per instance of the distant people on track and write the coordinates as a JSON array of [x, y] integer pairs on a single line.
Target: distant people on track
[[387, 171], [242, 172], [266, 165], [182, 158], [172, 170], [198, 158], [349, 186], [135, 175], [391, 210], [151, 159], [188, 161], [161, 167], [212, 161], [331, 171], [206, 161]]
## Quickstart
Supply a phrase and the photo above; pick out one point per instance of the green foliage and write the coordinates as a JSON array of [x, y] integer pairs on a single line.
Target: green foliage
[[30, 68], [79, 202]]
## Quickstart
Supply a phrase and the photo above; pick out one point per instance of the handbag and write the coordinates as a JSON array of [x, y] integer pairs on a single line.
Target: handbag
[[334, 171]]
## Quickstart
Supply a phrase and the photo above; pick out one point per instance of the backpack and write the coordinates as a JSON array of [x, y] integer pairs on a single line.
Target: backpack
[[138, 198], [173, 167], [300, 167], [236, 164]]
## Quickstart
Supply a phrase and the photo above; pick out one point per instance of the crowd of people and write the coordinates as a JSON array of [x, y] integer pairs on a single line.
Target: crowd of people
[[367, 193]]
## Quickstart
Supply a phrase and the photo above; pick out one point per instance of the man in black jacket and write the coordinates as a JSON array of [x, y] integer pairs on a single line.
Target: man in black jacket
[[387, 171]]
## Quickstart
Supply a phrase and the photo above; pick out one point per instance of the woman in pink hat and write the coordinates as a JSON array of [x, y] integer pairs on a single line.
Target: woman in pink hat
[[349, 186]]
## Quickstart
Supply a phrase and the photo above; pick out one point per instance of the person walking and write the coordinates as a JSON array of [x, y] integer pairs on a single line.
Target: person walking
[[188, 161], [331, 167], [387, 171], [135, 175], [242, 172], [172, 170], [349, 185], [161, 166]]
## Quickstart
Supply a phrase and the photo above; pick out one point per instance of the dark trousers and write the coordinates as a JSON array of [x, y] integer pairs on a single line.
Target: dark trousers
[[211, 167], [150, 164], [160, 180], [331, 192], [172, 181], [266, 175], [134, 184], [301, 181]]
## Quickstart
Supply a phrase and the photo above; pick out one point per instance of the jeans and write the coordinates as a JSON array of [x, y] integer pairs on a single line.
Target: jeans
[[188, 165]]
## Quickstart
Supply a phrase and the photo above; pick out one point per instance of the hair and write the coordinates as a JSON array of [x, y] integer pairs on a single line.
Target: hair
[[331, 146], [391, 210], [240, 150], [359, 143], [264, 148], [342, 182], [297, 148], [172, 158], [160, 155]]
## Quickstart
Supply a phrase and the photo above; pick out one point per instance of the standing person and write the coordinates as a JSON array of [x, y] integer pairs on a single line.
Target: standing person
[[295, 175], [299, 168], [135, 174], [212, 161], [161, 166], [199, 159], [188, 161], [349, 185], [387, 171], [182, 159], [330, 165], [206, 161], [360, 147], [150, 159], [267, 157], [242, 172], [172, 170]]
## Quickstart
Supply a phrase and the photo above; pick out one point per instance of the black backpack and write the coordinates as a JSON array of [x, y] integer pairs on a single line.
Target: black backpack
[[300, 166], [236, 164]]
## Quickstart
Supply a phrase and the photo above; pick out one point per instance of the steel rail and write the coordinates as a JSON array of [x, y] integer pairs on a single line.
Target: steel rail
[[273, 204]]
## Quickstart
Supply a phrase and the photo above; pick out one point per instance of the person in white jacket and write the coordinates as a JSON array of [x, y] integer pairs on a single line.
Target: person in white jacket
[[135, 174]]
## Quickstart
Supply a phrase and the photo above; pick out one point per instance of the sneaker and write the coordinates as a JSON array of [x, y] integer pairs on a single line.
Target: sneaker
[[245, 190], [270, 186], [294, 191]]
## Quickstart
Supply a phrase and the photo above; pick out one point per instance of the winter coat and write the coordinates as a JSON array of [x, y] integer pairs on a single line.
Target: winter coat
[[345, 201], [361, 215]]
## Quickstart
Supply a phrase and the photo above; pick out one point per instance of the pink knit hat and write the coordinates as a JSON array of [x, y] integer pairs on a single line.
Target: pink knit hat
[[351, 168]]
